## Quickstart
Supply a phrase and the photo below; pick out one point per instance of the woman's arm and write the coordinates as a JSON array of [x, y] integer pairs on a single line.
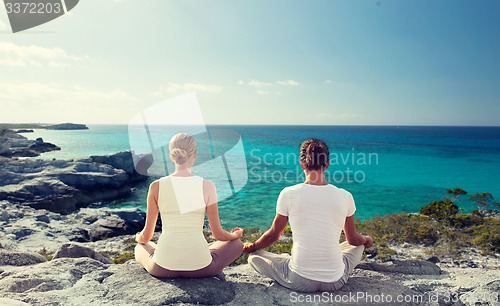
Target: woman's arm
[[210, 193], [270, 236], [151, 215], [353, 237]]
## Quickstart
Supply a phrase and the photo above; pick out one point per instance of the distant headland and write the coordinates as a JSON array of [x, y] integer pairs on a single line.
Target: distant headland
[[27, 126]]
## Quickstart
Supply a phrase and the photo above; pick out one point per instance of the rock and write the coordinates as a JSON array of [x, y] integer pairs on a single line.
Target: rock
[[24, 131], [8, 133], [56, 274], [131, 216], [4, 216], [67, 126], [11, 302], [414, 267], [85, 281], [125, 161], [15, 145], [14, 258], [433, 259], [112, 226], [75, 251], [487, 294], [43, 218], [65, 186], [20, 232]]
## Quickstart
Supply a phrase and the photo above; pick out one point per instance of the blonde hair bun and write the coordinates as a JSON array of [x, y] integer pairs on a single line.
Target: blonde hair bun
[[178, 156], [181, 147]]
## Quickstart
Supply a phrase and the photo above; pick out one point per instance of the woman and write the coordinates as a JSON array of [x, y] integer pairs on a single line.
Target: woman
[[317, 212], [182, 200]]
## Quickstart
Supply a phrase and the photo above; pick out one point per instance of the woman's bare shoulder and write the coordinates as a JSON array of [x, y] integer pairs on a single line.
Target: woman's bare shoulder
[[207, 184], [155, 185]]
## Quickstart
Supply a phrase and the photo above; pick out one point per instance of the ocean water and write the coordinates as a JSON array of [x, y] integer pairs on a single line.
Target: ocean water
[[388, 169]]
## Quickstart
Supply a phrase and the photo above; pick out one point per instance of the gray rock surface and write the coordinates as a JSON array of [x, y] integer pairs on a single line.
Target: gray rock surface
[[24, 228], [14, 145], [84, 281], [11, 302], [487, 294], [70, 250], [416, 267], [66, 185], [14, 258]]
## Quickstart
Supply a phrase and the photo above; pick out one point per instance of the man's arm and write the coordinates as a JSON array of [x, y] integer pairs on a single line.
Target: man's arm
[[353, 237], [270, 236]]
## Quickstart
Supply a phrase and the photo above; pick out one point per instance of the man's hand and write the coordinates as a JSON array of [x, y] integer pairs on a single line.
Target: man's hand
[[249, 248], [369, 242]]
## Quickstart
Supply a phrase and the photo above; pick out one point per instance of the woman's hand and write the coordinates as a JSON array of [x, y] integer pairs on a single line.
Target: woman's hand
[[249, 247], [238, 232], [138, 238], [369, 242]]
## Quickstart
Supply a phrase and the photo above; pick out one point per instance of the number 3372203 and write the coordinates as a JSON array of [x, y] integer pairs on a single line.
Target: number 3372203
[[33, 8]]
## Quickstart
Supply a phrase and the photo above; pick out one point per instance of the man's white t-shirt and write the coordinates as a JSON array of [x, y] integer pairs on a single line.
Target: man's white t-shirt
[[317, 216]]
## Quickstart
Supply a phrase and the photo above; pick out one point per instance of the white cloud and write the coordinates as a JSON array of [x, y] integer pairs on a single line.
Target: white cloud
[[262, 92], [327, 81], [349, 116], [288, 83], [52, 102], [341, 116], [187, 87], [23, 56], [258, 84], [4, 26]]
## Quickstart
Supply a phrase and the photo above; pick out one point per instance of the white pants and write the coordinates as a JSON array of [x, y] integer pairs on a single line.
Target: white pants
[[276, 267]]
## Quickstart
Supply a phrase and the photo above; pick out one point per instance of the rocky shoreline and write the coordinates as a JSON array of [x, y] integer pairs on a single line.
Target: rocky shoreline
[[76, 269], [61, 186], [55, 251]]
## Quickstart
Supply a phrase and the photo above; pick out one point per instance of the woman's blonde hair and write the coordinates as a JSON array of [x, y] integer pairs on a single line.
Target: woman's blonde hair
[[181, 147]]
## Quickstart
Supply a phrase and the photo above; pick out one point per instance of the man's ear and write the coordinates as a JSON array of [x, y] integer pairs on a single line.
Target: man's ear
[[303, 166]]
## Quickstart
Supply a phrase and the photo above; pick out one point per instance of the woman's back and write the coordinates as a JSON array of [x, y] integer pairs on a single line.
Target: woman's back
[[182, 245]]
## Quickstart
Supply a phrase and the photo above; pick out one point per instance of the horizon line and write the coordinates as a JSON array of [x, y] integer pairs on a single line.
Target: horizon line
[[234, 124]]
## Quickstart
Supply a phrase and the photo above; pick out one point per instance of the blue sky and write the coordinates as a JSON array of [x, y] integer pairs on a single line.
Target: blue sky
[[259, 62]]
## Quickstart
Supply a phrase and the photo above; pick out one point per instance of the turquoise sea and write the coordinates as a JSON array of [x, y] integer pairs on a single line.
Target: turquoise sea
[[388, 169]]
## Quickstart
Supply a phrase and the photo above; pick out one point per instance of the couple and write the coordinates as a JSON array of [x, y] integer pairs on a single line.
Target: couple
[[316, 210]]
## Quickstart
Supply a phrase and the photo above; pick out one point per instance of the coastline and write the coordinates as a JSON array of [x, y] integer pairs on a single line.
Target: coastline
[[28, 233]]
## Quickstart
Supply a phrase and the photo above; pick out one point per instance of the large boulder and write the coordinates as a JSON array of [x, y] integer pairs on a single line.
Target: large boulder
[[14, 258], [70, 250]]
